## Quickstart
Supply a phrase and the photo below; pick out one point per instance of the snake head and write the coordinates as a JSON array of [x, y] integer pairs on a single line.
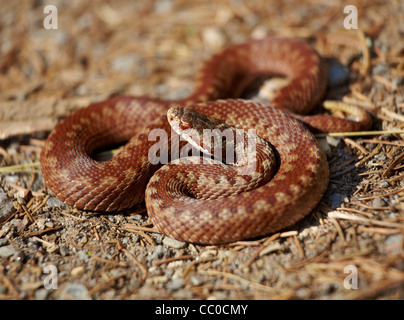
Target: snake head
[[209, 135]]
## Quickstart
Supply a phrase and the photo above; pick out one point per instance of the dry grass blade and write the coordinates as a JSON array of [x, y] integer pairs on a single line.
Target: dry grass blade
[[141, 266], [345, 216], [390, 168], [21, 168], [261, 248], [357, 133], [105, 284], [384, 194], [134, 227]]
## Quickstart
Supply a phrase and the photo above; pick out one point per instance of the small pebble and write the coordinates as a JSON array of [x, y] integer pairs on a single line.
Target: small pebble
[[83, 255], [392, 243], [213, 38], [126, 63], [378, 202], [77, 271], [137, 217], [336, 200], [74, 291], [338, 73], [324, 145], [54, 202], [158, 252], [7, 251], [303, 293], [333, 141], [398, 81], [41, 223], [170, 242], [175, 284], [3, 196], [380, 157], [12, 179], [64, 251], [41, 294], [163, 6], [197, 280], [380, 68]]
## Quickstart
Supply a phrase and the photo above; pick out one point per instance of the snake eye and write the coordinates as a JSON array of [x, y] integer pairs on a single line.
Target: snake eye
[[184, 126]]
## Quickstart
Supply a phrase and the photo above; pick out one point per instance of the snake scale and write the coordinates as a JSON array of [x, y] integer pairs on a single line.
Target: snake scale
[[205, 201]]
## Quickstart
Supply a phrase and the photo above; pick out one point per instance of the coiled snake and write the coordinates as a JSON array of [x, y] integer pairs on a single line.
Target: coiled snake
[[207, 202]]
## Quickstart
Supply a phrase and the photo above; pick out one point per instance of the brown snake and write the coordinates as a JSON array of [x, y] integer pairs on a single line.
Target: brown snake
[[202, 203]]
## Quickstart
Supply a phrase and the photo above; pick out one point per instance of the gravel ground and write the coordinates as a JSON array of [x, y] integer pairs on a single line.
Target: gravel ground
[[350, 247]]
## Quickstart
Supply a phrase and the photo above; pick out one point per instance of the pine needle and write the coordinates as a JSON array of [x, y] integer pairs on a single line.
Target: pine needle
[[21, 168], [357, 133]]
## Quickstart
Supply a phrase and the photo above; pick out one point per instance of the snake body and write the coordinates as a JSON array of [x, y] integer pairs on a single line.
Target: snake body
[[196, 202]]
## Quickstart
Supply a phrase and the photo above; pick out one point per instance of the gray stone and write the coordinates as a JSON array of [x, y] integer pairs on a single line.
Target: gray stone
[[83, 255], [74, 291], [126, 63], [380, 157], [6, 207], [41, 294], [64, 251], [378, 202], [163, 6], [158, 252], [54, 202], [380, 68], [170, 242], [175, 284], [338, 74], [336, 200], [333, 141], [12, 179], [7, 251], [393, 242]]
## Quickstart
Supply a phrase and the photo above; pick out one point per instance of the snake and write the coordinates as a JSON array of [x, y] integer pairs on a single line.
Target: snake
[[199, 198]]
